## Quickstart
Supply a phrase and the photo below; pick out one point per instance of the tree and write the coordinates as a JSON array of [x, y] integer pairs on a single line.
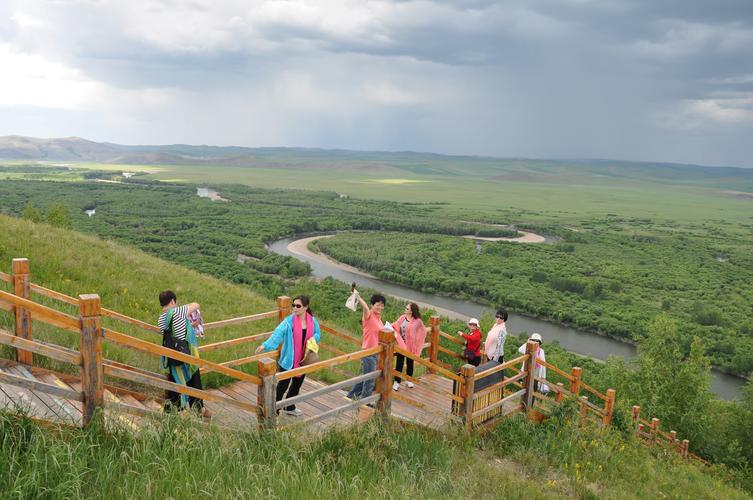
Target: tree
[[58, 216], [32, 213]]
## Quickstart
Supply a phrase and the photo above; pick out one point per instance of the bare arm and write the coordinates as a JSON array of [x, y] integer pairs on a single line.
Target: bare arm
[[366, 311]]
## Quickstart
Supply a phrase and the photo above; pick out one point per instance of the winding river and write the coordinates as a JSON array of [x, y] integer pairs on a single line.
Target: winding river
[[572, 339]]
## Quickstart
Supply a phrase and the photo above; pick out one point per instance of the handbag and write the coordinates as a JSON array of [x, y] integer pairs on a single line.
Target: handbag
[[312, 353], [469, 354], [169, 341]]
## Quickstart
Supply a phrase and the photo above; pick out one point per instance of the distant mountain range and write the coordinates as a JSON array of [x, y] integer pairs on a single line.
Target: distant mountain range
[[76, 149]]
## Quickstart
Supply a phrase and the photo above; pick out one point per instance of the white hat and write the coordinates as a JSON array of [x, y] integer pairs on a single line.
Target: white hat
[[535, 336], [473, 321]]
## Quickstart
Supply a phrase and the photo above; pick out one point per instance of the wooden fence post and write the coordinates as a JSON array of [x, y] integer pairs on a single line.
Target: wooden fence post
[[558, 395], [673, 439], [685, 448], [385, 362], [609, 407], [283, 307], [576, 373], [468, 372], [636, 416], [92, 374], [21, 288], [434, 328], [266, 413], [654, 430], [530, 369], [583, 409]]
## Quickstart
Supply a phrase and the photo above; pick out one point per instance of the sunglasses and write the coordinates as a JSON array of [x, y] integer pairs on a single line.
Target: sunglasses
[[297, 306], [499, 317]]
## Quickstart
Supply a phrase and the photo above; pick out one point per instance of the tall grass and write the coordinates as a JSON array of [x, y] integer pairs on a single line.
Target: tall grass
[[175, 459]]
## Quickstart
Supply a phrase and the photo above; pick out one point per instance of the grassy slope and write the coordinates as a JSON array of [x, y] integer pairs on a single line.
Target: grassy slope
[[127, 280]]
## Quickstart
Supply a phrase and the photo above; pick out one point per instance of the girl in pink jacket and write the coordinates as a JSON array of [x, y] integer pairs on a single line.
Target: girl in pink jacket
[[410, 334]]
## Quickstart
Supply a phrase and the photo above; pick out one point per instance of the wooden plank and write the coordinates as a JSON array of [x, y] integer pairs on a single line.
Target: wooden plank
[[449, 352], [241, 320], [342, 335], [9, 339], [499, 385], [499, 403], [144, 346], [52, 294], [429, 364], [24, 399], [5, 277], [49, 400], [327, 389], [171, 386], [42, 313], [131, 321], [134, 410], [34, 385], [230, 342], [5, 306], [451, 338], [71, 409], [556, 370], [593, 391], [338, 360], [504, 366], [340, 409]]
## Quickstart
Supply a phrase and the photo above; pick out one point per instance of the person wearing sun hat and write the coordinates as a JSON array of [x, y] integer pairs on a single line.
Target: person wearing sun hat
[[540, 370], [472, 352]]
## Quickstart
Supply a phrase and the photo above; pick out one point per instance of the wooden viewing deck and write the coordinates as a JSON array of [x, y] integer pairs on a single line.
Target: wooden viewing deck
[[441, 396]]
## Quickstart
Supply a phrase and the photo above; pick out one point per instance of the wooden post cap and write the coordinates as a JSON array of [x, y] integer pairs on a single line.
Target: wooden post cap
[[267, 367], [283, 301], [468, 370], [20, 266], [386, 336], [89, 305], [434, 321], [577, 371]]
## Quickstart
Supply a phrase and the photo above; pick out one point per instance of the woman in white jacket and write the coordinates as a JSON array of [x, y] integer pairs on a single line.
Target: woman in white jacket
[[540, 370]]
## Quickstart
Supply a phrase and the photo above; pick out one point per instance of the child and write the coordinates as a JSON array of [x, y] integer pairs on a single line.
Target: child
[[472, 351]]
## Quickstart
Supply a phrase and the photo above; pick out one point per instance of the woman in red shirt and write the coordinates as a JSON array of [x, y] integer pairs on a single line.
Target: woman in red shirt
[[472, 351]]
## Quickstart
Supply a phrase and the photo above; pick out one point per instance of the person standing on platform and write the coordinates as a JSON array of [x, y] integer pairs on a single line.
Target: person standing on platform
[[472, 352], [539, 370], [495, 339], [410, 334], [178, 333], [371, 322], [293, 333]]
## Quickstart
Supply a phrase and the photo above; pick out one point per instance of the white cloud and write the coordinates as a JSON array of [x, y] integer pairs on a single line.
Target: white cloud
[[692, 114], [679, 38]]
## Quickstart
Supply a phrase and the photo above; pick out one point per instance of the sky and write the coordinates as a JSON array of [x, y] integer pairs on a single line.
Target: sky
[[647, 80]]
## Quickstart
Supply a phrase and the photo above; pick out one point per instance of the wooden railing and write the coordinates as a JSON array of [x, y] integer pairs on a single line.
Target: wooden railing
[[475, 406]]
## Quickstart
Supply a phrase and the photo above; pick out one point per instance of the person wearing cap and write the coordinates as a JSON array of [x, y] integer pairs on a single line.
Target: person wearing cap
[[472, 351], [539, 370], [495, 339]]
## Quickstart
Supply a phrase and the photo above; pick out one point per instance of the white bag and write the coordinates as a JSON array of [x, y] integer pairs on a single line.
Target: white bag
[[352, 302], [388, 327]]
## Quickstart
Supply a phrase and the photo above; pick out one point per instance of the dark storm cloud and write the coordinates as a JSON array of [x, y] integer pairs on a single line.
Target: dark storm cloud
[[665, 80]]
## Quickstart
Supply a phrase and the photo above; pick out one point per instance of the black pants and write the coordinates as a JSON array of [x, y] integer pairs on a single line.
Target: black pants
[[474, 361], [172, 399], [399, 367], [295, 387]]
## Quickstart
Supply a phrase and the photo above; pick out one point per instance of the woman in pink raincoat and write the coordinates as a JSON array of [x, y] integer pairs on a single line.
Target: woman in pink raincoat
[[410, 334]]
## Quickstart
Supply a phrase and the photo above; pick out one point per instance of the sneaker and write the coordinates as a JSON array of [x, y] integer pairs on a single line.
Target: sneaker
[[206, 414], [395, 386], [409, 384], [295, 412]]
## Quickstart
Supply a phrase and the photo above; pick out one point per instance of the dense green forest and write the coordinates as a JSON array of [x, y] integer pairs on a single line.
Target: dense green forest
[[613, 277]]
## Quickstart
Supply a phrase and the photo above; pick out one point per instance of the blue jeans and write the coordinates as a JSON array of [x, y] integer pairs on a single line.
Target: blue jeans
[[364, 389]]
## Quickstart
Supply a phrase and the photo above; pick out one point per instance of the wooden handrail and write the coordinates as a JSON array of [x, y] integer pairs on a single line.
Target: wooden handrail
[[240, 320], [593, 391], [429, 364], [556, 370], [43, 313], [337, 333], [499, 403], [449, 352], [327, 389], [9, 339], [36, 385], [337, 360], [451, 338], [504, 366], [115, 371], [5, 277], [239, 340], [499, 385], [52, 294], [158, 350]]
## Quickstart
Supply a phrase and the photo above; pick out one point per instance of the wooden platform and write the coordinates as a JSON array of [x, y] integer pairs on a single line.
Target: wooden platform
[[427, 403]]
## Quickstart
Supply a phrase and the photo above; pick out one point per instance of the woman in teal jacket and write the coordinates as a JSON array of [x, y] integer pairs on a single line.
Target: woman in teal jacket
[[293, 333]]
